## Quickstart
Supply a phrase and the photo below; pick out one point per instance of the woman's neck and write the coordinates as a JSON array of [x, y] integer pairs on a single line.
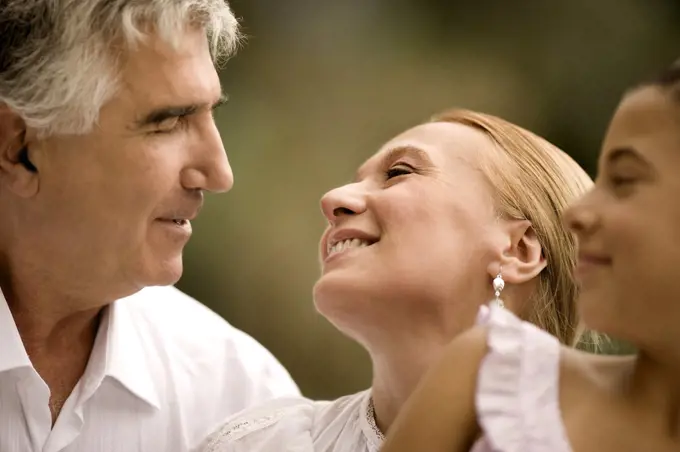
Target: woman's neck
[[396, 374]]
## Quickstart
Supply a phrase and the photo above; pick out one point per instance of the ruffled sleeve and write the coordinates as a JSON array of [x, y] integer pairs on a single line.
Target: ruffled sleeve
[[517, 397], [266, 428]]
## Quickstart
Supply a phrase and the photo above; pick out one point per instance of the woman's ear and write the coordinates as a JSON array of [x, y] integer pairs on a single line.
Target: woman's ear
[[17, 172], [522, 258]]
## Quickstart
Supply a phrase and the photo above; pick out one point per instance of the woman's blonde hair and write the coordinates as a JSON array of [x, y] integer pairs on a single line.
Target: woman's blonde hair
[[536, 181]]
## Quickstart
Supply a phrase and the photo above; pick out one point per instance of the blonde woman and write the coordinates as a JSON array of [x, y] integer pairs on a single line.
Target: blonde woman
[[412, 250], [556, 399]]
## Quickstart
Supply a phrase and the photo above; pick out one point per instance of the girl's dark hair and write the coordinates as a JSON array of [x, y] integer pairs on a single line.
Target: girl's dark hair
[[668, 78]]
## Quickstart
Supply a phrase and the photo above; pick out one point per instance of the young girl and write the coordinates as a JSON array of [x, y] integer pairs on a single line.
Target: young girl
[[506, 386]]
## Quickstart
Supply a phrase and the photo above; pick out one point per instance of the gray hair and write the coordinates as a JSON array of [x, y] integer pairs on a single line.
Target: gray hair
[[57, 68]]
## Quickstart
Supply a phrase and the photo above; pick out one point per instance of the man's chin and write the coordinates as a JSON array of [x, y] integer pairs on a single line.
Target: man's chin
[[166, 273]]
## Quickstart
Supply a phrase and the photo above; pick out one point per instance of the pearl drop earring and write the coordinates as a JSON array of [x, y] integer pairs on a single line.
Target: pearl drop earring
[[498, 286]]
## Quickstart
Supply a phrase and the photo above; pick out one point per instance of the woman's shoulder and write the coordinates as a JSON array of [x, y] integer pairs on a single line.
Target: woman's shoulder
[[281, 423], [255, 428]]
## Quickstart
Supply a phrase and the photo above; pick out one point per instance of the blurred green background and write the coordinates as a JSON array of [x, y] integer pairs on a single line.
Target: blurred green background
[[321, 85]]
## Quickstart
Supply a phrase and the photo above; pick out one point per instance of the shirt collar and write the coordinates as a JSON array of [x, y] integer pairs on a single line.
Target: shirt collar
[[125, 357], [13, 352], [118, 352]]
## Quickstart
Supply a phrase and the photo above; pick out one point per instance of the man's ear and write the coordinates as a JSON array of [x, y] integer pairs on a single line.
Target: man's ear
[[523, 256], [17, 172]]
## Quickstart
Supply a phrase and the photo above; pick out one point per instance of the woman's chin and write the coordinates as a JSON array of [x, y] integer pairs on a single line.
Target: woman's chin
[[339, 291]]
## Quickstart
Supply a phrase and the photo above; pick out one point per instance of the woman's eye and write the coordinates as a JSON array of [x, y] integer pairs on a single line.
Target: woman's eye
[[398, 170]]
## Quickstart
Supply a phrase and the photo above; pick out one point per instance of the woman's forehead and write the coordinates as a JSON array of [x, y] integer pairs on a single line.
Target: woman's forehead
[[440, 142]]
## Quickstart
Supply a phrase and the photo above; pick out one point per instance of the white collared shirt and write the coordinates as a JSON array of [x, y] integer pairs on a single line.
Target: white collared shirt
[[164, 372], [301, 425]]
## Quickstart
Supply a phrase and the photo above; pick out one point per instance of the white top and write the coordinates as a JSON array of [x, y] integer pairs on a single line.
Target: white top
[[164, 372], [301, 425]]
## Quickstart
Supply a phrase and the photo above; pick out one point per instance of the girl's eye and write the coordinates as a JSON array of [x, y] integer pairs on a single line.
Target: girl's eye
[[617, 181]]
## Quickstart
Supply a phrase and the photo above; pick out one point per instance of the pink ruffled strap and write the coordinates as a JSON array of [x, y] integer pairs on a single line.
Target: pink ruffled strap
[[518, 386]]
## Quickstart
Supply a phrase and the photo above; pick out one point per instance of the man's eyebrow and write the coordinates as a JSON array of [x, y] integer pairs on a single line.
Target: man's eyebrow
[[158, 115]]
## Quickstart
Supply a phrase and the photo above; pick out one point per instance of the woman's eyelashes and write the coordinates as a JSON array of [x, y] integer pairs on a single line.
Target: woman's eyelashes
[[399, 169]]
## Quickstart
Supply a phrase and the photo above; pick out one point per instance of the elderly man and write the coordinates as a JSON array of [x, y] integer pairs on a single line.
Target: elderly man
[[107, 144]]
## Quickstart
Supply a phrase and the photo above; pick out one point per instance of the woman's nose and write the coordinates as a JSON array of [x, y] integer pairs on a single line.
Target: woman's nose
[[342, 201]]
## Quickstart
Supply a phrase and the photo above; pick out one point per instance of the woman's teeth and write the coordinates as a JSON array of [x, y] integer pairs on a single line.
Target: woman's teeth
[[346, 244]]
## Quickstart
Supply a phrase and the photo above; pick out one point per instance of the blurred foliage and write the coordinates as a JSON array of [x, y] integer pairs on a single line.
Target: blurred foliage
[[321, 85]]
